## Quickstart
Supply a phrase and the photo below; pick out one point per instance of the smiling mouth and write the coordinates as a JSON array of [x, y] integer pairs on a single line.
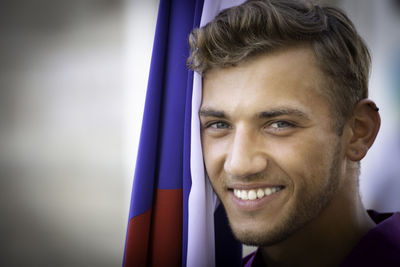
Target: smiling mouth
[[256, 193]]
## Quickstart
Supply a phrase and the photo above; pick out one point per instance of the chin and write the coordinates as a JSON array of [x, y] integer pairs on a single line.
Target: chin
[[260, 237], [266, 231]]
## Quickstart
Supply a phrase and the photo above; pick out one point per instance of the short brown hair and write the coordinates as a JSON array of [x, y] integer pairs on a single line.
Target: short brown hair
[[261, 26]]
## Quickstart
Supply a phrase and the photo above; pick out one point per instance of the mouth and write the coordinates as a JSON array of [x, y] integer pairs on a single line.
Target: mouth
[[256, 193], [249, 199]]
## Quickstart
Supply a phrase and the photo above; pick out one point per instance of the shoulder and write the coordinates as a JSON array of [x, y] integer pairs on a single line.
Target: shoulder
[[381, 245]]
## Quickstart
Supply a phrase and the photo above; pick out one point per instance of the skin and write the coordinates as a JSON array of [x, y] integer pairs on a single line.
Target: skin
[[267, 123]]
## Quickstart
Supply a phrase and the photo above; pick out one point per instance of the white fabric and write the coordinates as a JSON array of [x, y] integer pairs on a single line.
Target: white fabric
[[202, 200]]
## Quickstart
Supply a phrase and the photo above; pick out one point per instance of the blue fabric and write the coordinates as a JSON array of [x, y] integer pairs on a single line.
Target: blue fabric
[[146, 161], [160, 156], [163, 160], [182, 13]]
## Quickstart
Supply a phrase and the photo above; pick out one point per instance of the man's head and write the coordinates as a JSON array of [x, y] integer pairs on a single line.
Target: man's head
[[283, 114], [259, 27]]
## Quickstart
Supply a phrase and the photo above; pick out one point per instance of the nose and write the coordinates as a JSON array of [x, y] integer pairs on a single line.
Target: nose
[[245, 156]]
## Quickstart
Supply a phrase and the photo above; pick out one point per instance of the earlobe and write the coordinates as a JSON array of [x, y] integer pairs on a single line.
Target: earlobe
[[365, 125]]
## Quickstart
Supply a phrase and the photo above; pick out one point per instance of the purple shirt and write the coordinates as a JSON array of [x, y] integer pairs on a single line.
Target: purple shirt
[[379, 247]]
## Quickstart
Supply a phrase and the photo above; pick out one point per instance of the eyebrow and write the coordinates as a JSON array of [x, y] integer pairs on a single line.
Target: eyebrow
[[282, 111], [207, 112], [212, 113]]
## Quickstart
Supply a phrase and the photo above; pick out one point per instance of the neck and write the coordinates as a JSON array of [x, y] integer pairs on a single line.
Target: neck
[[326, 240]]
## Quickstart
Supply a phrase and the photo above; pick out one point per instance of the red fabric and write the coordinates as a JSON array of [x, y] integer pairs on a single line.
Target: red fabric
[[166, 229], [138, 240], [159, 229]]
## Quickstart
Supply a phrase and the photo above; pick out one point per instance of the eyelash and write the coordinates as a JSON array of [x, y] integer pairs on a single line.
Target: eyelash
[[288, 124], [214, 123]]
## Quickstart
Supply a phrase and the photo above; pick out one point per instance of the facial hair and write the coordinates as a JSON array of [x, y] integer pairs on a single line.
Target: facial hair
[[304, 211]]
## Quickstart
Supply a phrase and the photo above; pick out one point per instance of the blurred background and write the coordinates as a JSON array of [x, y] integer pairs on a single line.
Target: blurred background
[[73, 77]]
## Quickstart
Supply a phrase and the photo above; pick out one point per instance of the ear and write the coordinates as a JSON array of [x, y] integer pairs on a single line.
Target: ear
[[365, 124]]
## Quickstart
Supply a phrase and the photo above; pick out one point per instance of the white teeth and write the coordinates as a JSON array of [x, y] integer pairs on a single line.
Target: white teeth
[[256, 193], [238, 193], [268, 191], [252, 195], [260, 193]]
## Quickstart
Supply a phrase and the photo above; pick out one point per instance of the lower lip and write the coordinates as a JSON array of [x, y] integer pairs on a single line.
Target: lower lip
[[251, 205]]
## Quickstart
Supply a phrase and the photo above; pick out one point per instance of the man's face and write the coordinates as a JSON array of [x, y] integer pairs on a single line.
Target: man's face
[[271, 153]]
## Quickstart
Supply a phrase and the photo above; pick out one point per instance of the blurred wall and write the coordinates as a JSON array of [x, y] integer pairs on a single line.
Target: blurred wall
[[66, 164]]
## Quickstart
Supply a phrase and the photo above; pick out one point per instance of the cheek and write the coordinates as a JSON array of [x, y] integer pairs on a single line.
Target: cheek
[[303, 159], [214, 155]]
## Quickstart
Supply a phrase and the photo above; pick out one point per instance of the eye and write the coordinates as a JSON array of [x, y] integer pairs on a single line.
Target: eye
[[279, 127], [216, 129], [218, 125], [281, 124]]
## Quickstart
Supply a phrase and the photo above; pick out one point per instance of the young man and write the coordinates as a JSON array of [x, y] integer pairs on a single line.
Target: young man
[[285, 122]]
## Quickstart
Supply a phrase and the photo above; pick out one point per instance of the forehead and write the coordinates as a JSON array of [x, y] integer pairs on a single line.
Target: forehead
[[288, 77]]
